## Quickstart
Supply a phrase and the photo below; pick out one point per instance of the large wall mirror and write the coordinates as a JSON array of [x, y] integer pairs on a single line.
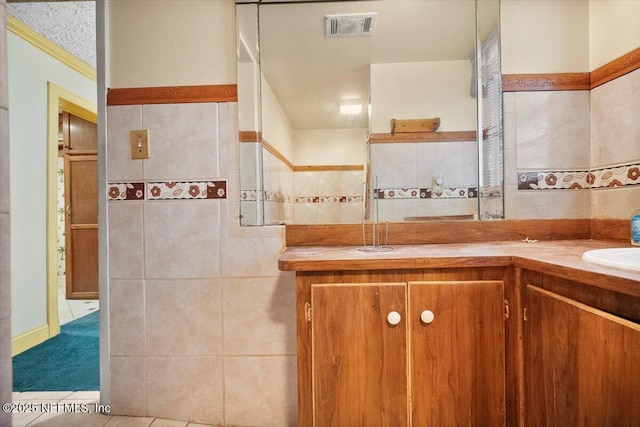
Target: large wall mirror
[[333, 95]]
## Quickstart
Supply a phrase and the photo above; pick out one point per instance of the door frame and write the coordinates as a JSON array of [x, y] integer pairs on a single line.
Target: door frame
[[58, 98]]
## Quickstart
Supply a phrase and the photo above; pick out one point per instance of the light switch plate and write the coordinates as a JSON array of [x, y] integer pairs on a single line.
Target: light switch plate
[[140, 144]]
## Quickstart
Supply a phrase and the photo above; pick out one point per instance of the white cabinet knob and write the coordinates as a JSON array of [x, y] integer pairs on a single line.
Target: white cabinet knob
[[394, 318], [427, 316]]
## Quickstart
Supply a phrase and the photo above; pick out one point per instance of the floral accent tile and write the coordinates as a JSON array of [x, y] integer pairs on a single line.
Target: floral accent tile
[[273, 196], [426, 193], [449, 193], [217, 190], [125, 191], [325, 199], [616, 176], [397, 193], [181, 190], [248, 195], [576, 180]]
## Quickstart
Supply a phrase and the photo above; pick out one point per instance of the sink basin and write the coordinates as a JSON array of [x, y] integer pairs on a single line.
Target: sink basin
[[627, 258]]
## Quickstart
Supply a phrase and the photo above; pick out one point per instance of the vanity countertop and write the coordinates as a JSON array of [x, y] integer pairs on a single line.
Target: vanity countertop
[[557, 257]]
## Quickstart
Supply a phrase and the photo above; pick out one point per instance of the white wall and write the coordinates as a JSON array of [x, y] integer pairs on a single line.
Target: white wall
[[545, 36], [248, 67], [29, 71], [613, 30], [154, 46], [330, 147], [420, 91], [6, 372], [276, 128]]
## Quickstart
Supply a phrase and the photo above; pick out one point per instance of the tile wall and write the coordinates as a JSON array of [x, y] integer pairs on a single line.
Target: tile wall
[[278, 187], [406, 173], [327, 197], [6, 376], [202, 322], [573, 154], [615, 141], [310, 197]]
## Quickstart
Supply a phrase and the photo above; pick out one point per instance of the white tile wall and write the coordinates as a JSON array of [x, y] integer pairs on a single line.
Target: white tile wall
[[572, 131], [178, 149], [615, 128], [193, 294], [552, 130]]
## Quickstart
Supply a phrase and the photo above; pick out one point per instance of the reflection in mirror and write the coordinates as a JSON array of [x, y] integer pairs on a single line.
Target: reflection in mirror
[[416, 60], [490, 143], [249, 118]]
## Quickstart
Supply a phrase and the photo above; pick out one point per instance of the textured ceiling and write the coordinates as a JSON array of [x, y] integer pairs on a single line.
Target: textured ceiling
[[69, 24]]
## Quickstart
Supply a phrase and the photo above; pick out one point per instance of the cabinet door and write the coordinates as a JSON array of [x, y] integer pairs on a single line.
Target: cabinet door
[[359, 359], [458, 359], [582, 365], [81, 226]]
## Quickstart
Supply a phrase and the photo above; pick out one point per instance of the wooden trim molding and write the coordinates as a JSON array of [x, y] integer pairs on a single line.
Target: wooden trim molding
[[447, 231], [616, 68], [327, 168], [30, 338], [425, 232], [249, 136], [270, 148], [545, 82], [172, 94], [572, 81], [383, 138]]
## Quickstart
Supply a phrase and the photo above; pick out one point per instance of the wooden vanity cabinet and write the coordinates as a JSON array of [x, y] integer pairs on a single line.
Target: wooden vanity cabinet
[[581, 363], [357, 368], [359, 360]]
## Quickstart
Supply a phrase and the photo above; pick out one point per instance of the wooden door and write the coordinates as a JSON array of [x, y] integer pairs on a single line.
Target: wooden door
[[457, 360], [78, 135], [359, 360], [582, 365], [81, 226]]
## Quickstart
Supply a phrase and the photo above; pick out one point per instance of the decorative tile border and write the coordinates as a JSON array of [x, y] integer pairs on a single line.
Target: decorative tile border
[[616, 177], [325, 199], [576, 180], [181, 190], [125, 191], [248, 195], [426, 193], [270, 196], [167, 190]]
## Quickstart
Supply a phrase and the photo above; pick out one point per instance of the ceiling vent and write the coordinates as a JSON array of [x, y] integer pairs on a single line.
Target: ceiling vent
[[349, 25]]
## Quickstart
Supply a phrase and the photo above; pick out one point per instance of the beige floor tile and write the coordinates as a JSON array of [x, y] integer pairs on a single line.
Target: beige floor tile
[[21, 419], [168, 423], [41, 395], [71, 419], [84, 395], [130, 422]]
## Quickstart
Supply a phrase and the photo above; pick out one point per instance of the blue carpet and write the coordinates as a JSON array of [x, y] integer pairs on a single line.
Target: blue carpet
[[67, 362]]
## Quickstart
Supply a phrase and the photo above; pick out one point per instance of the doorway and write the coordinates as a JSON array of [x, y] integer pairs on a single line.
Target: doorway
[[77, 214], [72, 138]]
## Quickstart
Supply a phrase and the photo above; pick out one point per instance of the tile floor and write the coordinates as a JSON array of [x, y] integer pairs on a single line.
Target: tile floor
[[56, 408], [69, 310]]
